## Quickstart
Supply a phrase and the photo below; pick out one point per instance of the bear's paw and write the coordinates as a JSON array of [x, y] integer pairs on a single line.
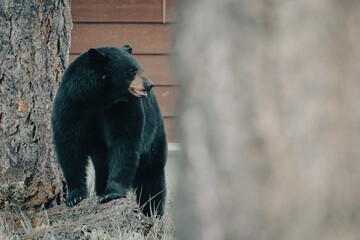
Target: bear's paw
[[107, 197], [75, 196]]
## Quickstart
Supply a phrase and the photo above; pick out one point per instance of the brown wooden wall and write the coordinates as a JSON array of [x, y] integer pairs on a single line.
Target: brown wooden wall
[[141, 24]]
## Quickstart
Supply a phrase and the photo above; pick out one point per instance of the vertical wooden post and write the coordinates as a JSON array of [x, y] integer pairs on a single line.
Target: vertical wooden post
[[269, 119]]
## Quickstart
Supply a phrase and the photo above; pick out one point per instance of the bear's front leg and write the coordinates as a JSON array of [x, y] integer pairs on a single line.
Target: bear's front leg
[[73, 164], [123, 164]]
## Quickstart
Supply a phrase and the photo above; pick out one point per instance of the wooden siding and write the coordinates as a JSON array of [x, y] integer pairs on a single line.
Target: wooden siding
[[170, 128], [138, 23], [149, 11], [166, 97], [144, 38]]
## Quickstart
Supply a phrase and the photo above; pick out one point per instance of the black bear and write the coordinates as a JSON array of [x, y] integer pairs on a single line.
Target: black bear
[[105, 109]]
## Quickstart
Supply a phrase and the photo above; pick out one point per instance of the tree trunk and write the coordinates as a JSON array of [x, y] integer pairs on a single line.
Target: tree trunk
[[269, 119], [34, 51]]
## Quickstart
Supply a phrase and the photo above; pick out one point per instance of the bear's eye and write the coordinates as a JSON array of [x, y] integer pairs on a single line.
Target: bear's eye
[[133, 70]]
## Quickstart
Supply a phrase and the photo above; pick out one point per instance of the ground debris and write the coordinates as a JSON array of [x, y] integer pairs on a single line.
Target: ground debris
[[79, 222]]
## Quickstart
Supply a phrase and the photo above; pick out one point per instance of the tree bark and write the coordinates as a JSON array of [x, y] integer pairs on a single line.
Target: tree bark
[[34, 51], [269, 119]]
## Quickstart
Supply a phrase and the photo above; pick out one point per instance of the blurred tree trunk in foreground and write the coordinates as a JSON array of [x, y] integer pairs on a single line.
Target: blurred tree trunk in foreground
[[270, 119], [35, 42]]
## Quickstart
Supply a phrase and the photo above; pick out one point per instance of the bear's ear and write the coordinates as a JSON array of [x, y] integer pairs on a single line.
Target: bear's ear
[[96, 56], [127, 48]]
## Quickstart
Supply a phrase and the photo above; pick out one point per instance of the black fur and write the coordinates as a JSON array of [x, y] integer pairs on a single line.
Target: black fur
[[95, 115]]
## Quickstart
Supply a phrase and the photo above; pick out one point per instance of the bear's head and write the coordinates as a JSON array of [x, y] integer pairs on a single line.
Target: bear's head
[[121, 72]]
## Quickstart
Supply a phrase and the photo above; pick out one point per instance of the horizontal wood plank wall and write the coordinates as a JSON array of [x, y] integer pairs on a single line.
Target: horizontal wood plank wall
[[144, 38], [138, 23], [147, 11]]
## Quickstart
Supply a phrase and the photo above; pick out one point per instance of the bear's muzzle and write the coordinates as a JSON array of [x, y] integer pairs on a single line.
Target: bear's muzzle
[[140, 85]]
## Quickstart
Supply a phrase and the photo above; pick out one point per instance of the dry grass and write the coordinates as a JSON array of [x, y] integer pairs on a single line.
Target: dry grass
[[163, 227]]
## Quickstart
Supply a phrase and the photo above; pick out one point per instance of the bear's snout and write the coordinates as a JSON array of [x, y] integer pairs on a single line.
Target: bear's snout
[[140, 85], [148, 84]]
